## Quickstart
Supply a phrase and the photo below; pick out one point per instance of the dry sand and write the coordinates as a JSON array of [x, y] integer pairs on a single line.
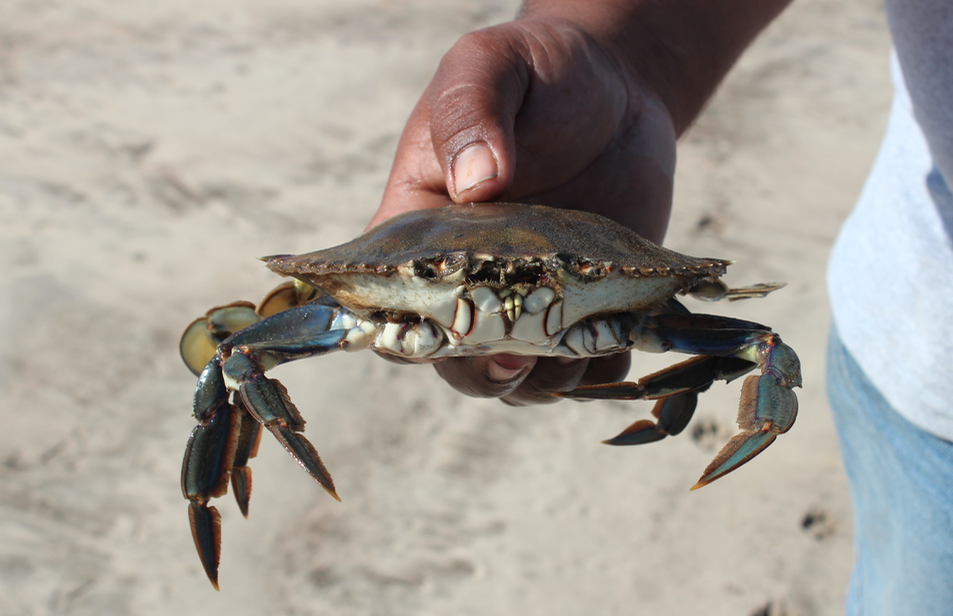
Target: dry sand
[[149, 151]]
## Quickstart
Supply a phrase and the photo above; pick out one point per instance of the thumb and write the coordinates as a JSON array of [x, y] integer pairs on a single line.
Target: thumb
[[474, 98]]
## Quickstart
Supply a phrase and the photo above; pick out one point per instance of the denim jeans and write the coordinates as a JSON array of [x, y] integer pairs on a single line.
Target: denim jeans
[[901, 481]]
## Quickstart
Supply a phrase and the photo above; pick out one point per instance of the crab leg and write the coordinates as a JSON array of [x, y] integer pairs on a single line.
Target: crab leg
[[207, 462], [268, 402], [768, 407], [249, 437], [729, 348], [221, 444], [676, 388]]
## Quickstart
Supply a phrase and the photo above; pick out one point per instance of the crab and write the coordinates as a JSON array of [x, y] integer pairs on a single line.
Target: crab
[[467, 280]]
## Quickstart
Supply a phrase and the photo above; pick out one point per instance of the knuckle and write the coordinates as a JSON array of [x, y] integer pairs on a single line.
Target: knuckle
[[468, 377]]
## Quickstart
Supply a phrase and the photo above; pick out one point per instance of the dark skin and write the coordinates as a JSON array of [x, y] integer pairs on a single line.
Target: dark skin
[[574, 105]]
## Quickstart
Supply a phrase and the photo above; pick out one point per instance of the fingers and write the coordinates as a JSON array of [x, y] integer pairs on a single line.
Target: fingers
[[515, 112], [550, 374], [521, 381], [523, 108], [459, 141], [558, 374], [474, 99], [416, 180], [485, 376]]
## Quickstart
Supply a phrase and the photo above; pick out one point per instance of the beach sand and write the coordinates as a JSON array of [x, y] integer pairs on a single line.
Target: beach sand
[[150, 151]]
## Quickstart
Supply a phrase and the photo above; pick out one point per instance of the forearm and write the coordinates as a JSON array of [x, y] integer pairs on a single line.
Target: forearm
[[682, 49]]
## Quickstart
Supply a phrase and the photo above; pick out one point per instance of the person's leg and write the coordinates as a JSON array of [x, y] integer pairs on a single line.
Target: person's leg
[[901, 481]]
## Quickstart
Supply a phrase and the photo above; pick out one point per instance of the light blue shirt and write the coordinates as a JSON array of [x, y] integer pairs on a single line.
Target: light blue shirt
[[890, 276]]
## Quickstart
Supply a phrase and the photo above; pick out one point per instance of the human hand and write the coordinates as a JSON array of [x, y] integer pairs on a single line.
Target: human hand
[[575, 104], [536, 111]]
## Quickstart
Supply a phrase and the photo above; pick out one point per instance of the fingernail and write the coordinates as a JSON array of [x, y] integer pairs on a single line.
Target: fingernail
[[472, 167], [499, 373]]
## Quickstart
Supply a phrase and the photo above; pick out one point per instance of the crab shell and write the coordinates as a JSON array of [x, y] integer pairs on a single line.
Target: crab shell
[[426, 263]]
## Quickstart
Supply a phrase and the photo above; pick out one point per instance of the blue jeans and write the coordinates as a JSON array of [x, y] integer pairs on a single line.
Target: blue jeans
[[901, 481]]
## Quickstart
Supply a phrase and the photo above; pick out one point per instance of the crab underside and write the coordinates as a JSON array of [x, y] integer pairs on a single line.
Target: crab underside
[[476, 280]]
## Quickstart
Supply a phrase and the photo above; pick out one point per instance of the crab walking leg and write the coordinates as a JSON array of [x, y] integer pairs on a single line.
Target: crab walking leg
[[268, 402], [676, 388], [249, 437], [224, 440], [208, 459]]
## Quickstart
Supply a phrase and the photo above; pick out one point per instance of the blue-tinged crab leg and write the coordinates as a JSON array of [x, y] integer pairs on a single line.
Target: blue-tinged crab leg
[[227, 435], [249, 437], [676, 388], [208, 460], [292, 334], [730, 347], [767, 410], [768, 404], [268, 402]]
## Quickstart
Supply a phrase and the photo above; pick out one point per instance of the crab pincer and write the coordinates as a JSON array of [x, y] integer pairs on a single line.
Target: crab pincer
[[768, 407], [731, 348]]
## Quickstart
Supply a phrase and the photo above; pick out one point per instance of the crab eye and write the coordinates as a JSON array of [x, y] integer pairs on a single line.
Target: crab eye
[[425, 270], [438, 267]]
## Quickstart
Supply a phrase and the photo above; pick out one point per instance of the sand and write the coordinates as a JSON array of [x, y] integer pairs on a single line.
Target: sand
[[150, 151]]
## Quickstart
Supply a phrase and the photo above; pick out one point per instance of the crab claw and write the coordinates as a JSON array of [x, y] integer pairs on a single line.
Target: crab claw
[[768, 404], [768, 408], [727, 349]]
